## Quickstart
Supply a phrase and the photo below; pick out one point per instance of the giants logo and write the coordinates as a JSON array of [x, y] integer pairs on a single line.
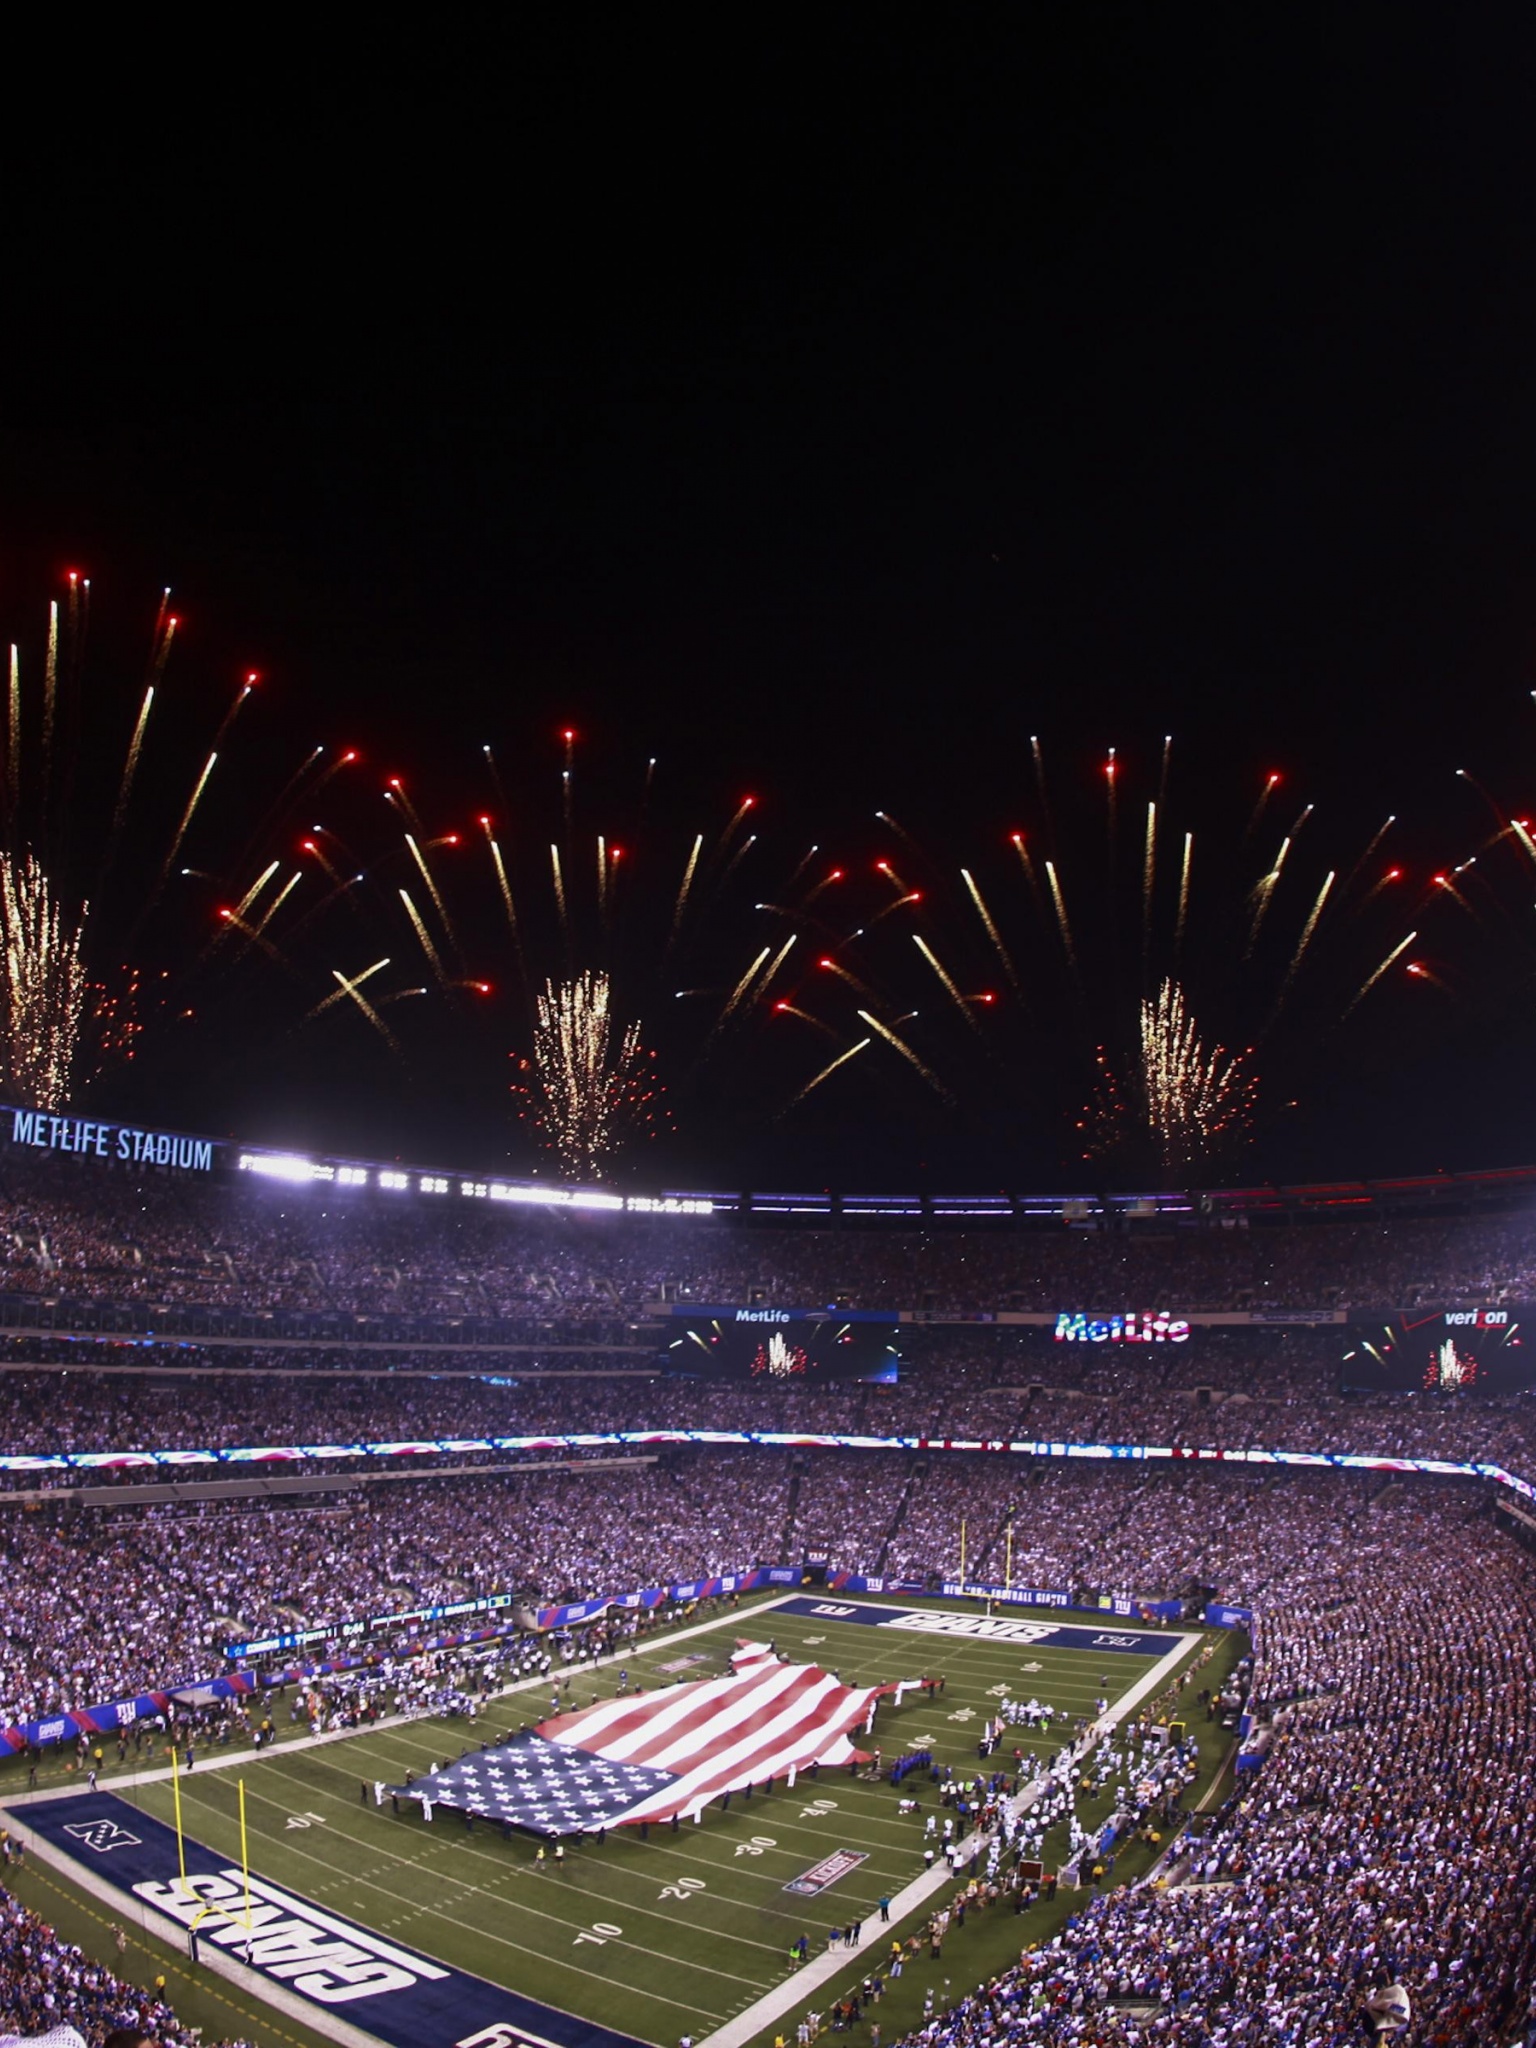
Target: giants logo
[[102, 1835]]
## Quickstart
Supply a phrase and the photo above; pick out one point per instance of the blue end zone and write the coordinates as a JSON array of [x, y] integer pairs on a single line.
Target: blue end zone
[[934, 1622], [338, 1967]]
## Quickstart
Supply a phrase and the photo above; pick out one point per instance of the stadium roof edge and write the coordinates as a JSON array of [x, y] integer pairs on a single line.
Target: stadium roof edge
[[76, 1135]]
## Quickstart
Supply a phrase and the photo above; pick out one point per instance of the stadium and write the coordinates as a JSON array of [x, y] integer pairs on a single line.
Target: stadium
[[709, 1618], [767, 944]]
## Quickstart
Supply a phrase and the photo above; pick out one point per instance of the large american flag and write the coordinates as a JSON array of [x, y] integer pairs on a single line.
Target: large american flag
[[652, 1756]]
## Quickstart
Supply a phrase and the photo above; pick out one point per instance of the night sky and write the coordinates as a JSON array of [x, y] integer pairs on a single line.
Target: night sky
[[823, 407]]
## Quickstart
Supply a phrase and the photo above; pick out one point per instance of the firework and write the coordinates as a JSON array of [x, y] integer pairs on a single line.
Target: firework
[[1191, 1101], [118, 791], [42, 985], [1107, 969], [585, 1081]]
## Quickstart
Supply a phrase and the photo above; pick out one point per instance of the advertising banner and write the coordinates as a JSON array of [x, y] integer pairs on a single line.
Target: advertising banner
[[1453, 1351]]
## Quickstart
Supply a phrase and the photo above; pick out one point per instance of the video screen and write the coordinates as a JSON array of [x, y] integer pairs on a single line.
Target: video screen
[[1450, 1351], [792, 1351]]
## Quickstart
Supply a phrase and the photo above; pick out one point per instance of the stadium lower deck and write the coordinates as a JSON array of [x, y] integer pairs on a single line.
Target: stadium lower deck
[[1389, 1827]]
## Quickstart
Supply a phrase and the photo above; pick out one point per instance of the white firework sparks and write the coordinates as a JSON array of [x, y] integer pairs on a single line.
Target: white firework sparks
[[42, 985], [1190, 1100], [584, 1073]]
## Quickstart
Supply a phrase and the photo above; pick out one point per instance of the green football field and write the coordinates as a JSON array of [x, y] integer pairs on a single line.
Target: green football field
[[682, 1932]]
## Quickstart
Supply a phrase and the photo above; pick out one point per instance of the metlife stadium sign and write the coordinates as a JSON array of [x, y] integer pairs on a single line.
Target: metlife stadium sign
[[44, 1132]]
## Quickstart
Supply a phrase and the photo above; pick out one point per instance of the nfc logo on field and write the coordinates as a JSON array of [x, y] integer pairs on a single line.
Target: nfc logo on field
[[102, 1835]]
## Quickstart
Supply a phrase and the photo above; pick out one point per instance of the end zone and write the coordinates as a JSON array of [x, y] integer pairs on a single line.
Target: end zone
[[989, 1628], [318, 1967]]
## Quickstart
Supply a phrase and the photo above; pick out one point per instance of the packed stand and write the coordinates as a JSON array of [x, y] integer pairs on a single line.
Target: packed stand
[[70, 1228], [46, 1983], [1382, 1859]]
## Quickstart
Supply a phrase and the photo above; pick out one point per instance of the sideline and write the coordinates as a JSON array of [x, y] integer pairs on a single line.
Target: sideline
[[785, 1997]]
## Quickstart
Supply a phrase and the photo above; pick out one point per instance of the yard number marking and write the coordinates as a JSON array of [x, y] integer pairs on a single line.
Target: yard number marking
[[599, 1932]]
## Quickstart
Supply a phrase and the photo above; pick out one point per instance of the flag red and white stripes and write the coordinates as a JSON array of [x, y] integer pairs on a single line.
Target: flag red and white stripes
[[721, 1735]]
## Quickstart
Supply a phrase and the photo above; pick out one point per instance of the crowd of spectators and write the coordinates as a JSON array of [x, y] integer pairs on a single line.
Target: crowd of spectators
[[1388, 1838], [46, 1983], [106, 1603], [72, 1228], [1238, 1391], [113, 1600], [1390, 1830]]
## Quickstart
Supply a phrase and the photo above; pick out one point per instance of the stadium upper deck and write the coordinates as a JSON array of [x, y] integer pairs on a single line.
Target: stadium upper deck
[[80, 1228]]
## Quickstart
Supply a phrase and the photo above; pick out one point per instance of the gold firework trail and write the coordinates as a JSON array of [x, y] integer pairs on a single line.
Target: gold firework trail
[[394, 793], [737, 858], [773, 967], [742, 986], [992, 931], [947, 980], [1183, 916], [830, 1068], [1371, 980], [906, 1052], [256, 888], [787, 1009], [1017, 841], [347, 985], [186, 818], [1309, 927], [353, 990], [1371, 846], [437, 902], [278, 901], [13, 734], [503, 885], [1263, 893], [426, 939], [1059, 901], [843, 974], [800, 867], [689, 872], [131, 762]]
